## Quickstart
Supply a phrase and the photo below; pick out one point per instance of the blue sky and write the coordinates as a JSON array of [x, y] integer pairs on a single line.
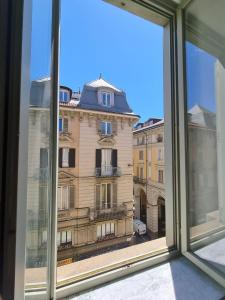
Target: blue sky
[[97, 37]]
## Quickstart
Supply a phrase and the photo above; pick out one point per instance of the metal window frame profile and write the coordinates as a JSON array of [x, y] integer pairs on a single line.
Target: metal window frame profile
[[184, 180]]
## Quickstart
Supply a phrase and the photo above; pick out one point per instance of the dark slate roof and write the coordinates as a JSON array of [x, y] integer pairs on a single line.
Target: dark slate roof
[[89, 98]]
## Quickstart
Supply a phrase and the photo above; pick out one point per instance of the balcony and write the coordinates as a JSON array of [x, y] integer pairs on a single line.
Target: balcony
[[139, 180], [109, 214], [108, 171]]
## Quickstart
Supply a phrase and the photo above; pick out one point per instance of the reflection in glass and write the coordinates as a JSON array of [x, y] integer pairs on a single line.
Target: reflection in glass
[[39, 146], [206, 137]]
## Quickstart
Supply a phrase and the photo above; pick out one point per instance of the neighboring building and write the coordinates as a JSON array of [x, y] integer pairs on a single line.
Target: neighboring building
[[95, 200], [148, 163], [38, 173], [203, 168], [149, 173]]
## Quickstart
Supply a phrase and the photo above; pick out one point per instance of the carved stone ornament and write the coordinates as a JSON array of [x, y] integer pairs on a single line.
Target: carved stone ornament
[[62, 175], [107, 141], [65, 137]]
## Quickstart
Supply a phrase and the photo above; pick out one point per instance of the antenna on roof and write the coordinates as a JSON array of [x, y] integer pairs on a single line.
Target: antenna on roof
[[100, 76]]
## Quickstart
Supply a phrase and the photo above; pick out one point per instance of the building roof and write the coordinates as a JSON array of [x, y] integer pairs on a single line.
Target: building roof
[[149, 126], [102, 83], [89, 98]]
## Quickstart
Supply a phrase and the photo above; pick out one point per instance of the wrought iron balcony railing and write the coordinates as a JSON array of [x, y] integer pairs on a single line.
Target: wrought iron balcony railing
[[107, 171], [109, 214], [139, 180]]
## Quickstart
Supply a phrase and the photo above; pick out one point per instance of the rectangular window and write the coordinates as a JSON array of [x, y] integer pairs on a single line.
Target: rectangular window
[[106, 128], [105, 229], [106, 195], [63, 96], [106, 99], [67, 157], [64, 238], [63, 125], [141, 155], [160, 176]]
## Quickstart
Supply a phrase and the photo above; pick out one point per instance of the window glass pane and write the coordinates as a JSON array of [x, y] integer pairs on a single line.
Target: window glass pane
[[69, 236], [103, 126], [109, 177], [61, 96], [109, 128], [205, 61], [39, 145]]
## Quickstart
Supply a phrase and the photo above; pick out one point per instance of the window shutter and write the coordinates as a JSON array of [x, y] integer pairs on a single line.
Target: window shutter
[[98, 191], [98, 158], [72, 158], [98, 126], [65, 125], [72, 197], [114, 194], [60, 157], [114, 127], [114, 158], [43, 158]]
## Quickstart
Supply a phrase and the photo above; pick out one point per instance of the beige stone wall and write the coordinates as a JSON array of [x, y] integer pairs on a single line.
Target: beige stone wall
[[85, 138], [152, 165]]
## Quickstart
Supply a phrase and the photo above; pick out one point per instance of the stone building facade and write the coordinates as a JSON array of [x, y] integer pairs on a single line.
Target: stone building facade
[[148, 162]]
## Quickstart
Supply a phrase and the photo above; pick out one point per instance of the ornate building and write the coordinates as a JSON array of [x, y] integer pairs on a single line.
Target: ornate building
[[95, 201]]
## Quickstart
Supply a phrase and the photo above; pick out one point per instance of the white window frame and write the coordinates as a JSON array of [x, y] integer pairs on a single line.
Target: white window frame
[[63, 203], [64, 237], [103, 204], [63, 121], [65, 96], [105, 229], [107, 98]]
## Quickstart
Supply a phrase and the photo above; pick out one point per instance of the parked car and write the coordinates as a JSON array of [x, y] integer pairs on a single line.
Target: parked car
[[139, 227]]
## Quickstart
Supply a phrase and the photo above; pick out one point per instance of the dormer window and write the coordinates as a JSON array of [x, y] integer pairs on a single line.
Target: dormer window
[[106, 99], [64, 96]]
